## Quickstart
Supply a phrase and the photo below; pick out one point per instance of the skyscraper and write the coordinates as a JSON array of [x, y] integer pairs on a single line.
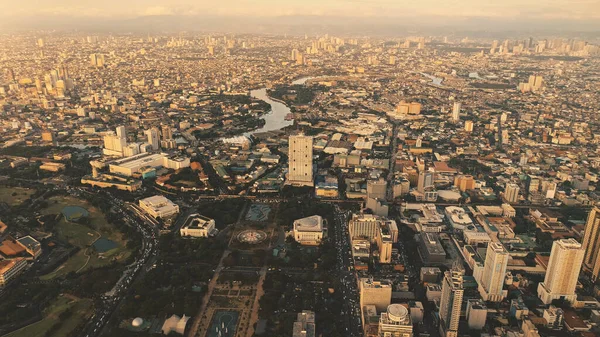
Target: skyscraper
[[456, 111], [494, 271], [300, 160], [562, 273], [426, 180], [153, 138], [451, 302], [591, 243]]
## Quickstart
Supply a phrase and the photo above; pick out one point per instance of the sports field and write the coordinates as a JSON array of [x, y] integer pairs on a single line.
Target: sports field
[[84, 235]]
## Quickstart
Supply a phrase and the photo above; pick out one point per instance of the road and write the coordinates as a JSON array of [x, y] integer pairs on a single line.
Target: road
[[348, 278], [110, 302]]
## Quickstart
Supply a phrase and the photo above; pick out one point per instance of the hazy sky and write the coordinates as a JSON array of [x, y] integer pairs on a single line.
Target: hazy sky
[[536, 9]]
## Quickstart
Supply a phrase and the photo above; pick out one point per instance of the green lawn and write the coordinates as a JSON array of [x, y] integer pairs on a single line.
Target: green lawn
[[20, 195], [83, 236], [81, 310]]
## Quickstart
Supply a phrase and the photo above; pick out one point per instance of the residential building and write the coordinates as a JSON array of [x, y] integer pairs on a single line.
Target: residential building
[[451, 302], [562, 273]]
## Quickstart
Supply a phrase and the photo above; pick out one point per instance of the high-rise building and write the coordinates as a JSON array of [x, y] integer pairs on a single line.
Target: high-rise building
[[494, 272], [377, 293], [97, 60], [300, 160], [451, 302], [591, 243], [456, 111], [562, 273], [469, 126], [114, 145], [426, 179], [40, 42], [511, 193], [167, 132], [476, 314], [153, 138], [395, 322]]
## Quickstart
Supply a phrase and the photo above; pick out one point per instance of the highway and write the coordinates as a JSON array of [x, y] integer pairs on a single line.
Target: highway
[[348, 278], [110, 302]]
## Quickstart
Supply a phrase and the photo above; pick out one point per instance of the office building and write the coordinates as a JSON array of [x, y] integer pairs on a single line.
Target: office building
[[153, 138], [494, 270], [476, 314], [384, 244], [591, 243], [565, 262], [395, 322], [304, 326], [511, 193], [198, 226], [451, 302], [309, 230], [300, 155], [9, 269], [456, 111], [377, 293], [159, 206]]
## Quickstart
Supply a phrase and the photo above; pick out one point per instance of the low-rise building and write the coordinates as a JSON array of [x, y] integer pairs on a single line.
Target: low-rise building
[[9, 269], [309, 230], [198, 226], [159, 206]]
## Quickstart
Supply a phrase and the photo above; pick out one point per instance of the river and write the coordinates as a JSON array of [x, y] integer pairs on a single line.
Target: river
[[274, 119]]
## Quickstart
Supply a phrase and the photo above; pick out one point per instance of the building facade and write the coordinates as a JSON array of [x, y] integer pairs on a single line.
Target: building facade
[[300, 160], [494, 271]]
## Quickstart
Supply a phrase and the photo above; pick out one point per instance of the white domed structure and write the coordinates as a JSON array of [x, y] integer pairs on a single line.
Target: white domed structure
[[137, 322], [397, 313]]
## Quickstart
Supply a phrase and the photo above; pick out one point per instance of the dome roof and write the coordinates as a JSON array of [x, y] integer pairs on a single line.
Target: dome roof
[[137, 322], [397, 312]]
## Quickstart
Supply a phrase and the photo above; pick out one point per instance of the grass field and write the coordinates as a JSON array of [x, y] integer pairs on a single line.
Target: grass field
[[83, 236], [81, 310], [21, 194]]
